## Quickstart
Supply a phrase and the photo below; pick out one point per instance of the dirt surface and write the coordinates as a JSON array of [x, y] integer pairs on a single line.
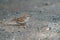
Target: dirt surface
[[44, 23]]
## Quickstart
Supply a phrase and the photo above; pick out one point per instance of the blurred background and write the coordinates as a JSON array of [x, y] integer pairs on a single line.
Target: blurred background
[[45, 14]]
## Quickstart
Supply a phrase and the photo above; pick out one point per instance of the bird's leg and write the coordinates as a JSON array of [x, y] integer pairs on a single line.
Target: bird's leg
[[23, 25], [27, 25]]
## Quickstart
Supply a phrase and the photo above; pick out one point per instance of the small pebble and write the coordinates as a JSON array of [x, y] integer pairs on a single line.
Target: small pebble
[[18, 31], [40, 11], [46, 4], [47, 29], [12, 32]]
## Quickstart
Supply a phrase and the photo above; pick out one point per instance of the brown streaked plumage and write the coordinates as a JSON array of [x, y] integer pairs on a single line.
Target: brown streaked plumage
[[21, 21]]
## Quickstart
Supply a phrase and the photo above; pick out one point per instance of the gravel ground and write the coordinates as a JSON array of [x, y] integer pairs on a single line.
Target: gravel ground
[[43, 25]]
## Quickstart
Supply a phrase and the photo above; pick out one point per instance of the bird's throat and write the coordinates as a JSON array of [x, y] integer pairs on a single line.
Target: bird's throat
[[27, 18]]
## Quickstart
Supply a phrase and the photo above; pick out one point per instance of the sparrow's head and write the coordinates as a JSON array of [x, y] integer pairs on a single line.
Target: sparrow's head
[[26, 15]]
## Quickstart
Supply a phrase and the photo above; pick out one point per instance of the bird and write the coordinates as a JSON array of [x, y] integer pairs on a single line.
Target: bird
[[22, 21]]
